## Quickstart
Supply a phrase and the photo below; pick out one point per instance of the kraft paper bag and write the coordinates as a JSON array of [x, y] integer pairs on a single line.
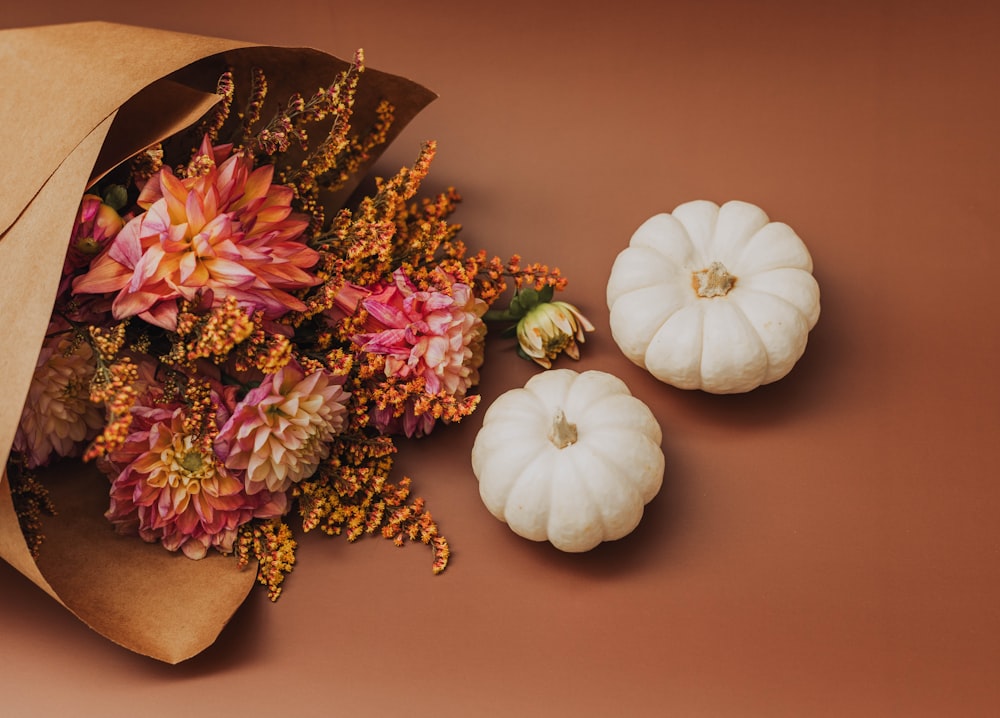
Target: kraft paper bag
[[78, 99]]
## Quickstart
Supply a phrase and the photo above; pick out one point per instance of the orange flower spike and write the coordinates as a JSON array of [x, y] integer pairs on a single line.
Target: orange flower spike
[[495, 268], [279, 353], [200, 165], [442, 553], [344, 157], [339, 362], [108, 343], [272, 545], [115, 388], [200, 416], [258, 93], [317, 500], [146, 164], [213, 123], [226, 326]]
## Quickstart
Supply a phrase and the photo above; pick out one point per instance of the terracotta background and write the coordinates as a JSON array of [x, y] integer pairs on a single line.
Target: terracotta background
[[825, 546]]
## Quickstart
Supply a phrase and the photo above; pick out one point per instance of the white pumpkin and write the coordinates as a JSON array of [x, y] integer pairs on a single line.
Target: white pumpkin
[[713, 298], [571, 458]]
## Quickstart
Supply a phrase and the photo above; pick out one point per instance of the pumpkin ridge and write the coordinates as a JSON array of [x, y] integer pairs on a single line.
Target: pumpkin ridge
[[632, 480], [752, 290], [550, 400], [525, 478], [610, 469], [735, 226], [635, 306], [701, 347], [743, 250], [590, 388], [803, 262], [695, 216], [593, 408], [649, 236], [753, 331], [581, 471], [698, 313], [725, 367], [666, 265], [661, 255], [550, 515], [781, 366], [516, 401], [806, 312], [488, 477]]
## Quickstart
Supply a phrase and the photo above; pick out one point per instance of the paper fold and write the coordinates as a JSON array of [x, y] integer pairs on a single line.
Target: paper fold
[[77, 100]]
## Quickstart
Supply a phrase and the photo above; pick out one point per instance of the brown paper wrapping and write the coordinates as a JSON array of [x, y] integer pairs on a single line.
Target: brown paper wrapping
[[79, 99]]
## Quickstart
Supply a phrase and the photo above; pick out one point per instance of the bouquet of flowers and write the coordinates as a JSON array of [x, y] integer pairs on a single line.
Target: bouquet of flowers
[[236, 340]]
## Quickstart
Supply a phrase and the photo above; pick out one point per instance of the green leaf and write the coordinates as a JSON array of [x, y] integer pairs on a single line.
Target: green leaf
[[496, 315], [526, 298]]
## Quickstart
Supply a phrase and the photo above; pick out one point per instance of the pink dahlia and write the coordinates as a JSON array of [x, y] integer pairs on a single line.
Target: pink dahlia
[[227, 230], [280, 432], [167, 488], [429, 334], [58, 416]]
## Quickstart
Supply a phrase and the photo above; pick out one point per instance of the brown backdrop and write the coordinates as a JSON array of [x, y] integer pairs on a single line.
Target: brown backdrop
[[825, 546]]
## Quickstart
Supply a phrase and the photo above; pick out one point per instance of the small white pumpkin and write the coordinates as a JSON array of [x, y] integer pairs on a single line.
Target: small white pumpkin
[[713, 298], [571, 458]]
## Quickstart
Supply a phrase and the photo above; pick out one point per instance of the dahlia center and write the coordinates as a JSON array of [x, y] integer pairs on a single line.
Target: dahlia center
[[192, 462], [188, 466]]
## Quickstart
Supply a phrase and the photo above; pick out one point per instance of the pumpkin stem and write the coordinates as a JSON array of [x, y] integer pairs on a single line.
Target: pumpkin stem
[[715, 281], [562, 433]]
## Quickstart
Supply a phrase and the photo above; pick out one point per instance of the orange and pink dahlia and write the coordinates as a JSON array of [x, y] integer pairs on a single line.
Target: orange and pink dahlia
[[281, 431], [167, 488], [225, 230], [58, 417], [431, 334]]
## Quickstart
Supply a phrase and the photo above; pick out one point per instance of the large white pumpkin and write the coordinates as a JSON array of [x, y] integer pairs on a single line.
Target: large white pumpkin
[[713, 298], [571, 458]]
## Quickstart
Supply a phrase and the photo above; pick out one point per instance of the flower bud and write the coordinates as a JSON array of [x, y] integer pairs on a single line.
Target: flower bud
[[96, 225], [549, 328]]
